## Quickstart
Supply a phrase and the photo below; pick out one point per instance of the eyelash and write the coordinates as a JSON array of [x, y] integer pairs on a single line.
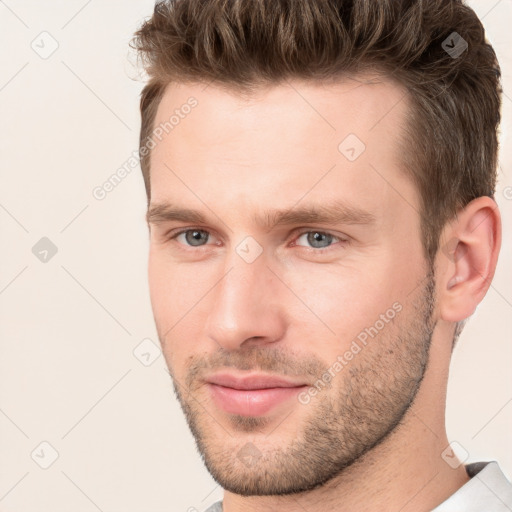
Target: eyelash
[[342, 241]]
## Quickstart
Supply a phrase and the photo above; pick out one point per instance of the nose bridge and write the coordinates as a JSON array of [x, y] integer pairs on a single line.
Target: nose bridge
[[244, 304]]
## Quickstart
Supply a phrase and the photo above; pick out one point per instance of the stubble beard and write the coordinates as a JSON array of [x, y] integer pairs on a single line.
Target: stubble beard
[[377, 388]]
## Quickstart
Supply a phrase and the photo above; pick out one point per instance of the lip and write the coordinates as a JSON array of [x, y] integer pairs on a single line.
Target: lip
[[251, 395]]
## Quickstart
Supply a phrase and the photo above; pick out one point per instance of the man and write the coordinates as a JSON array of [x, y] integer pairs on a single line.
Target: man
[[320, 178]]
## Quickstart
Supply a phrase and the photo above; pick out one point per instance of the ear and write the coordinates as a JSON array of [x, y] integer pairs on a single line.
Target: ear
[[467, 258]]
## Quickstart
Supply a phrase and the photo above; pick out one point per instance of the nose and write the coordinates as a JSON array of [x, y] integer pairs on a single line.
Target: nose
[[246, 309]]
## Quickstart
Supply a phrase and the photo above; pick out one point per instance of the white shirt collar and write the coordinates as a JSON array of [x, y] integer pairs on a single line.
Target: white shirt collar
[[487, 491]]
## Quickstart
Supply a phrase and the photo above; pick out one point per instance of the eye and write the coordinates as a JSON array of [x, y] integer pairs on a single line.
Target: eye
[[317, 239], [192, 237], [312, 239]]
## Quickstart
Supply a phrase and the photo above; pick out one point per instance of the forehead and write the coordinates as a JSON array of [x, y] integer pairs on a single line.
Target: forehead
[[281, 142], [359, 102]]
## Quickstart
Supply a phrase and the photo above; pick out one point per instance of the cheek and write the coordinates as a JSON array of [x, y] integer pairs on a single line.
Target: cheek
[[342, 301], [175, 293], [174, 288]]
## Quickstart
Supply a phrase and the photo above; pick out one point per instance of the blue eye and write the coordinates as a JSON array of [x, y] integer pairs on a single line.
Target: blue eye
[[318, 239], [312, 239], [194, 237]]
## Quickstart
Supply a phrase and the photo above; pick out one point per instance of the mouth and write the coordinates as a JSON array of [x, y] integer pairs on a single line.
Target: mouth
[[251, 395]]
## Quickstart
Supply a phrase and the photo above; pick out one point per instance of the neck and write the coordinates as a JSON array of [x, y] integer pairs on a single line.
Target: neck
[[405, 472]]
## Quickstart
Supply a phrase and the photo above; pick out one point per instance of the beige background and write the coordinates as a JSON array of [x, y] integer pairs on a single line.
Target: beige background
[[69, 326]]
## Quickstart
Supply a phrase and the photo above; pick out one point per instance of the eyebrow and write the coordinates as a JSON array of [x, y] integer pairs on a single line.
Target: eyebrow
[[336, 212]]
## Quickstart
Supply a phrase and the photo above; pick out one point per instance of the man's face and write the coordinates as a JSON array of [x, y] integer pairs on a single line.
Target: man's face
[[295, 316]]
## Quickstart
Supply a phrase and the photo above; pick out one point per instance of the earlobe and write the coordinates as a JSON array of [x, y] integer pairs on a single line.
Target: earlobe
[[468, 261]]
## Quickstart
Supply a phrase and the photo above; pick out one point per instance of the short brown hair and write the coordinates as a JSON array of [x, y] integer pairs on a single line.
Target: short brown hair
[[454, 91]]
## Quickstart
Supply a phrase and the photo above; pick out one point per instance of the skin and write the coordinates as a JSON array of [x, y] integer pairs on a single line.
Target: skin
[[372, 439]]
